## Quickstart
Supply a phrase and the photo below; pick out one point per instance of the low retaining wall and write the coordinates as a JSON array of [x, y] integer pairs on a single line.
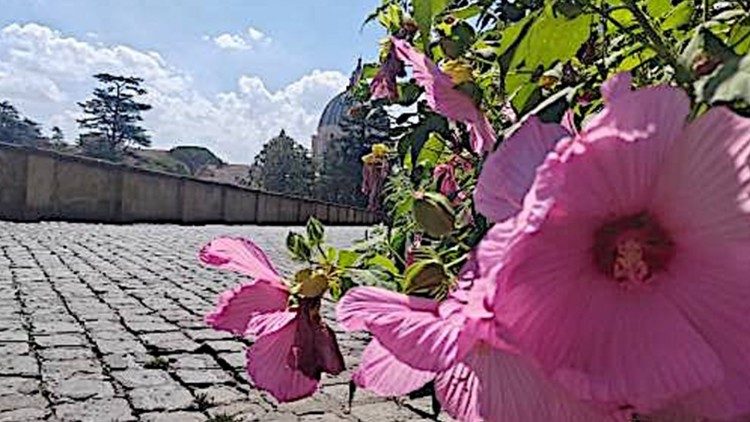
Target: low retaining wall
[[45, 185]]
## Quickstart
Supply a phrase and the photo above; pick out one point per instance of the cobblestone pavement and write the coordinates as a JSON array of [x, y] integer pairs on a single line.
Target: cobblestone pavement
[[104, 323]]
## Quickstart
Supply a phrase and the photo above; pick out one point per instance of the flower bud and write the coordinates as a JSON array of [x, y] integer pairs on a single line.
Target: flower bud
[[434, 213], [704, 64], [424, 276], [380, 150], [409, 25], [311, 283]]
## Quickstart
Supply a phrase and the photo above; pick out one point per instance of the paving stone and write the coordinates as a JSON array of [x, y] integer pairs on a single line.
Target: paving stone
[[25, 415], [161, 398], [133, 378], [203, 376], [173, 417], [95, 411], [83, 388], [121, 298], [18, 365]]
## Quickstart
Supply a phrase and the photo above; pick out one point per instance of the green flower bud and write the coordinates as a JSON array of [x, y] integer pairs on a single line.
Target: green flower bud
[[434, 213], [424, 277]]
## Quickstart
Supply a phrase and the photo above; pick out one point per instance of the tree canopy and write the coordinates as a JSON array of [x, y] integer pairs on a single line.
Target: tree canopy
[[283, 166], [113, 117], [17, 129]]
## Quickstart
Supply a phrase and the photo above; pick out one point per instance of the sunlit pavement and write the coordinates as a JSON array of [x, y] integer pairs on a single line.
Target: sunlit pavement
[[103, 322]]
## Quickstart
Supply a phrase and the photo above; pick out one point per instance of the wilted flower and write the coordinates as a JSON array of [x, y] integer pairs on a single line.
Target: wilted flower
[[384, 85], [444, 98], [293, 345], [460, 71], [445, 175], [627, 271], [375, 170]]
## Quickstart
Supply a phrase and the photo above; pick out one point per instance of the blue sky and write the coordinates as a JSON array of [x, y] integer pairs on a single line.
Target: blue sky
[[247, 68]]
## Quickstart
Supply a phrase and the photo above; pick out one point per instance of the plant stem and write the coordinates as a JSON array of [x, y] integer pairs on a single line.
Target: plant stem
[[705, 11], [663, 50]]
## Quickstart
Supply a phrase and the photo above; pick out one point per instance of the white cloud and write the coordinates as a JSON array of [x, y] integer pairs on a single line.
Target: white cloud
[[45, 72], [231, 42], [247, 41], [255, 34]]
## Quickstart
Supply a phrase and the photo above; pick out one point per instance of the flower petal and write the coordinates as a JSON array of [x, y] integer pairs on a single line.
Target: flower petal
[[457, 389], [509, 172], [261, 324], [239, 255], [268, 367], [510, 388], [617, 86], [235, 307], [444, 98], [603, 342], [704, 189], [380, 372], [409, 327], [364, 303]]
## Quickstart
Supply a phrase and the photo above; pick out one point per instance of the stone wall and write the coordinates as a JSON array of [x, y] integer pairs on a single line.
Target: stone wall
[[44, 185]]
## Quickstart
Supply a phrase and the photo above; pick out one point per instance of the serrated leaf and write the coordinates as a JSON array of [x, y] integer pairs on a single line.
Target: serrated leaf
[[315, 231]]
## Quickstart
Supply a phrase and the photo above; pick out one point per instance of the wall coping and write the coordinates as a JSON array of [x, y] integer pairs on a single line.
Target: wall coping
[[125, 167]]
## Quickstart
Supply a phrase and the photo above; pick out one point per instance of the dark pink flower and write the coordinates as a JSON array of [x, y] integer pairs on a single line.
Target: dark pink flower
[[293, 345], [445, 175], [444, 98], [384, 85], [627, 271]]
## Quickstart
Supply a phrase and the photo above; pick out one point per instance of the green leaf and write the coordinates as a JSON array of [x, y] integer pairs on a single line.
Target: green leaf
[[384, 262], [390, 17], [545, 44], [678, 16], [420, 134], [466, 12], [432, 150], [297, 246], [315, 231], [705, 45], [347, 258], [729, 83], [424, 13]]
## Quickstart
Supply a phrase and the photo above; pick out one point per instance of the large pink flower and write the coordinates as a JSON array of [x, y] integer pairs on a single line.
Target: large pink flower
[[293, 346], [477, 375], [626, 274], [444, 98]]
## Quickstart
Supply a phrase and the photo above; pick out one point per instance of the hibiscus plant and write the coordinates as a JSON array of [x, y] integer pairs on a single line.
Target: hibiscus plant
[[565, 205]]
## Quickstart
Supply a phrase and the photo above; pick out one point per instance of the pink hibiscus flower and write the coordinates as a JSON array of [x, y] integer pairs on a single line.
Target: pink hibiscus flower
[[293, 345], [478, 377], [444, 98], [626, 274]]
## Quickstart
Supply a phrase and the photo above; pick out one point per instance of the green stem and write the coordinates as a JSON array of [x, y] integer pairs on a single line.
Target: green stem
[[705, 11], [654, 38]]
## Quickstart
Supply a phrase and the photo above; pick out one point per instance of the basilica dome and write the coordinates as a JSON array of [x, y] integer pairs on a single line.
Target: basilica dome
[[330, 124]]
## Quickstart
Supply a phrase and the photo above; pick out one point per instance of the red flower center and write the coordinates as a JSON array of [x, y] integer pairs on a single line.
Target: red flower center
[[631, 249]]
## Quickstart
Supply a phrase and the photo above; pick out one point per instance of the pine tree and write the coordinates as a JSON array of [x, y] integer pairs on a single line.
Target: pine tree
[[16, 129], [283, 166], [113, 117]]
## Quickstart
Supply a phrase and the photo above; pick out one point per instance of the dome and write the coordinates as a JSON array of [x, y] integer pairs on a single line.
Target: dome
[[336, 109]]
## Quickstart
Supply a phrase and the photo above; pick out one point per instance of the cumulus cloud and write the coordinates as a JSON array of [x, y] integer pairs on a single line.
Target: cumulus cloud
[[246, 41], [231, 42], [45, 72]]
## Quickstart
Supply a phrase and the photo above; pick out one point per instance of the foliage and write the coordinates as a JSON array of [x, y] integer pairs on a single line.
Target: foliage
[[17, 129], [527, 57], [195, 157], [57, 138], [340, 169], [113, 117], [283, 166]]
